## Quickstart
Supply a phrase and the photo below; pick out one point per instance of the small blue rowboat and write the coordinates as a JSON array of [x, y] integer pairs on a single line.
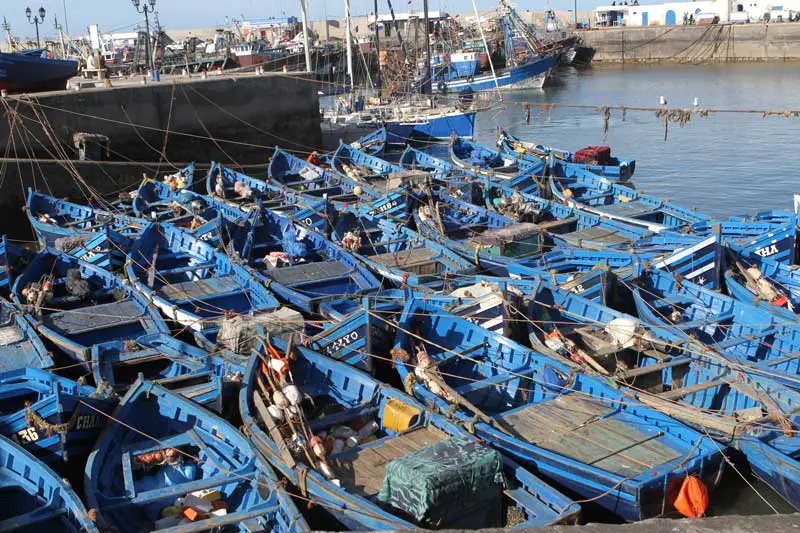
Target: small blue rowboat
[[195, 286], [54, 418], [395, 252], [163, 459], [300, 266], [20, 345], [77, 305], [563, 161], [204, 377], [770, 285], [607, 198], [54, 220], [13, 260], [768, 235], [501, 168], [580, 432], [358, 482], [36, 499], [107, 248], [373, 143]]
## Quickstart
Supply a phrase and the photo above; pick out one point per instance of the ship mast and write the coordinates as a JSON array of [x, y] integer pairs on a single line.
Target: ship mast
[[349, 45], [306, 49]]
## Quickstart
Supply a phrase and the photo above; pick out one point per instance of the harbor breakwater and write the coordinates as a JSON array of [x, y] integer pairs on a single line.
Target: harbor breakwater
[[695, 44]]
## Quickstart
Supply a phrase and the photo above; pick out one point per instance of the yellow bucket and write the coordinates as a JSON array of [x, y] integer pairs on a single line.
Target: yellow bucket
[[398, 416]]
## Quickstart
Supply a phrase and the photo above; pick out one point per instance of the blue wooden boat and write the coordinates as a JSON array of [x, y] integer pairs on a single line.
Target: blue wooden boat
[[604, 197], [394, 251], [54, 418], [356, 484], [162, 451], [509, 171], [195, 286], [439, 169], [712, 321], [373, 143], [76, 305], [300, 266], [206, 378], [32, 71], [562, 162], [769, 284], [106, 248], [13, 260], [184, 209], [769, 235], [20, 346], [54, 220], [578, 431], [36, 499]]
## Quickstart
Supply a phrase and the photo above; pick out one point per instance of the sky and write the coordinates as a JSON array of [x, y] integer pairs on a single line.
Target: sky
[[119, 15]]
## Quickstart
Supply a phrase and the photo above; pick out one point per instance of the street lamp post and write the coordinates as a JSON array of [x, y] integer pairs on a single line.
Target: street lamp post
[[36, 20], [146, 7]]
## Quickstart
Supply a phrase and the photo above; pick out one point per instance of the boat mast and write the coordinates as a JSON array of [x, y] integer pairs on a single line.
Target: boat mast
[[9, 39], [349, 44], [377, 50], [486, 47], [426, 81], [306, 49]]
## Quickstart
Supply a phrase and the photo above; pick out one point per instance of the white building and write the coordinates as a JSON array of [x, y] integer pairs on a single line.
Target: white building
[[673, 13]]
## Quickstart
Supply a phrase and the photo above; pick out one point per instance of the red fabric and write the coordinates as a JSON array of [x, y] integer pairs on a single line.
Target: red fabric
[[593, 154]]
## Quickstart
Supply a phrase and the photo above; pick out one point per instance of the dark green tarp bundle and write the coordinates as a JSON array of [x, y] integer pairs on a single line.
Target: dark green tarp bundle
[[445, 482]]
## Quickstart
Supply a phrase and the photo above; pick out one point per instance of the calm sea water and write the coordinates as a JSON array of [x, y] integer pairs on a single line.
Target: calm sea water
[[722, 165]]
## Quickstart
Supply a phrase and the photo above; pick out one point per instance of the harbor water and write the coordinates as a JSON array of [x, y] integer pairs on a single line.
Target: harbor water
[[723, 164]]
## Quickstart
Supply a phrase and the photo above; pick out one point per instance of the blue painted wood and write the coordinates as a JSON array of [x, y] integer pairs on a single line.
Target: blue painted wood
[[20, 345], [510, 171], [353, 394], [211, 455]]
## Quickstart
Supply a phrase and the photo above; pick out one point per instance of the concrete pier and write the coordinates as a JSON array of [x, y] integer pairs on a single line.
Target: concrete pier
[[695, 44]]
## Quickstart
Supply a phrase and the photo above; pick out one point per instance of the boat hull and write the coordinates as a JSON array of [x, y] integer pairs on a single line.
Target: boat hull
[[530, 76], [461, 124], [21, 73]]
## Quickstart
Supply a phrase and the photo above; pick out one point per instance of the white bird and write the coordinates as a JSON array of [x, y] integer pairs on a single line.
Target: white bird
[[696, 102], [663, 101]]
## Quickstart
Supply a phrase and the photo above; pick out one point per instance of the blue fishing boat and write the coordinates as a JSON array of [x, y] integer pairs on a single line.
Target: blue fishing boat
[[430, 124], [577, 431], [36, 498], [20, 345], [32, 71], [77, 305], [439, 169], [195, 286], [186, 210], [769, 235], [393, 250], [712, 321], [204, 377], [356, 440], [374, 172], [13, 259], [54, 418], [769, 284], [59, 223], [166, 464], [372, 143], [604, 197], [503, 169], [106, 248], [564, 162], [302, 268]]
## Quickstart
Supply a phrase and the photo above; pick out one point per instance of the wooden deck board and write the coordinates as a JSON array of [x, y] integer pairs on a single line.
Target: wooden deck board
[[568, 425], [363, 471], [200, 288]]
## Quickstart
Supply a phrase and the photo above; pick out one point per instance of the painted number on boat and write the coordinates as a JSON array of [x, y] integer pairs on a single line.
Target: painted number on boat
[[385, 207], [27, 435], [89, 422], [341, 343], [767, 251], [577, 289]]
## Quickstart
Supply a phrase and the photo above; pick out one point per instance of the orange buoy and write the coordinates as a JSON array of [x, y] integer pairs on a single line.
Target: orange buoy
[[692, 500]]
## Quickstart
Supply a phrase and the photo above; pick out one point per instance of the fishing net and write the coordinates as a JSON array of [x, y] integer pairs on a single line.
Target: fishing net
[[239, 333]]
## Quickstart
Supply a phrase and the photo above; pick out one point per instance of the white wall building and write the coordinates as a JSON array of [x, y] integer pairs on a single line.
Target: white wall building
[[672, 13]]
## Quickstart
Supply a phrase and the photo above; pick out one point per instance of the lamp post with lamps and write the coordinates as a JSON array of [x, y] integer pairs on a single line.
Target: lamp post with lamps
[[146, 7], [35, 20]]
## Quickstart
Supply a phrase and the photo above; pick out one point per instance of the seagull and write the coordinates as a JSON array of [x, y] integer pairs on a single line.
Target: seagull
[[696, 102], [663, 101]]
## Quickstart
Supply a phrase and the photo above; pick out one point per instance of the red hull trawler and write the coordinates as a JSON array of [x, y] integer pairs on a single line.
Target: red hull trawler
[[29, 72]]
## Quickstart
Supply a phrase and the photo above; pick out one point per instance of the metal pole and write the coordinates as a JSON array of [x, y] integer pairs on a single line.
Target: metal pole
[[348, 43], [426, 81], [36, 23], [377, 49], [147, 43], [574, 13], [306, 49], [66, 21]]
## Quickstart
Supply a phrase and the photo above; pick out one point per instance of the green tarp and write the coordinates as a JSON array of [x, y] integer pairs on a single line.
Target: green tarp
[[437, 485]]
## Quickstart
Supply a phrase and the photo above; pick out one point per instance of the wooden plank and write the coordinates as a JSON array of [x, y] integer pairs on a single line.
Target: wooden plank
[[677, 394], [273, 430], [649, 369]]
